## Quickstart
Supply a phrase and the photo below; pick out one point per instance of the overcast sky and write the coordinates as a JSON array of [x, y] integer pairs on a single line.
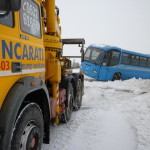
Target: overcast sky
[[122, 23]]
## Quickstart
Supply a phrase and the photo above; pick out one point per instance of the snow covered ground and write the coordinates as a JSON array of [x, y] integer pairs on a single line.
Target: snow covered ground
[[114, 116]]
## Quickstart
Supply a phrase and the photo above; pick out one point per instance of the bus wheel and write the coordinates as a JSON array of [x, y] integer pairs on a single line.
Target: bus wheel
[[65, 117], [116, 76], [78, 100], [28, 129]]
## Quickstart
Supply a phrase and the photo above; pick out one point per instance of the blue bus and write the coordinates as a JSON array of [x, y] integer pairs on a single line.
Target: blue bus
[[104, 62]]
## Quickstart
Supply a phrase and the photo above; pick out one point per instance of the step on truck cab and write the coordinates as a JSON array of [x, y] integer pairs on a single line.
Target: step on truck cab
[[36, 84]]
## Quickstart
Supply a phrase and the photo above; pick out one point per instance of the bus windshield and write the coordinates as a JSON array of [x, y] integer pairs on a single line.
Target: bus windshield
[[93, 55]]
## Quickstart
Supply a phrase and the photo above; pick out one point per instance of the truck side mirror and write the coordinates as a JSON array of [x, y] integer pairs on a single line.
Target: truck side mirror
[[10, 5]]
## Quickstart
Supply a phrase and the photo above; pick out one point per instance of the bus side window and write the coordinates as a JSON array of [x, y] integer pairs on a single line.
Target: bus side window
[[106, 59], [126, 59], [134, 60], [148, 63], [143, 61], [8, 20], [114, 60]]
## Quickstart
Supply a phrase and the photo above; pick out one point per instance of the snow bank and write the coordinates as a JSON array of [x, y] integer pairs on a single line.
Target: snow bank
[[114, 116]]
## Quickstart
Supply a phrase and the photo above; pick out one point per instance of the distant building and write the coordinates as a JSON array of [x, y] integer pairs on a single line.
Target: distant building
[[75, 64]]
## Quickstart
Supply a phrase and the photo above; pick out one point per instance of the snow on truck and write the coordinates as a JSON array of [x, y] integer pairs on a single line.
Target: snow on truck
[[36, 85]]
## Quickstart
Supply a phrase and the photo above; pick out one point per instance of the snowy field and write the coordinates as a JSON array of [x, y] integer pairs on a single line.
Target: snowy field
[[114, 116]]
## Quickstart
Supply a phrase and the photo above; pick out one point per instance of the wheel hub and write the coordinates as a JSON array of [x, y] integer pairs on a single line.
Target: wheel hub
[[30, 137]]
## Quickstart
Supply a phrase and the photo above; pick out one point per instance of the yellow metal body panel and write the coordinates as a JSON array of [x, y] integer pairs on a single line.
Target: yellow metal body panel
[[53, 72], [8, 36], [36, 55], [28, 51], [33, 50], [52, 41], [50, 19]]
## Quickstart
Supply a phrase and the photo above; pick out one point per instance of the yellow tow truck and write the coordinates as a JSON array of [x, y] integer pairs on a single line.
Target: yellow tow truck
[[36, 85]]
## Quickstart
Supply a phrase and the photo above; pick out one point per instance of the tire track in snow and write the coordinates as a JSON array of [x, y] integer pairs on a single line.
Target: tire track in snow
[[62, 135]]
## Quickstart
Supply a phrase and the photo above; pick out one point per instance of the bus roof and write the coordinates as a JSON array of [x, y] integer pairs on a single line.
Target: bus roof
[[104, 47], [109, 47]]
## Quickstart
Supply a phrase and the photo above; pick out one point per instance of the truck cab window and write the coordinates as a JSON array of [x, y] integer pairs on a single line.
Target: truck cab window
[[30, 18], [7, 20]]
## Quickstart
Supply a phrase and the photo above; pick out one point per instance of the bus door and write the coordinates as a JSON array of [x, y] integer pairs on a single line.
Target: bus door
[[104, 67], [96, 56], [95, 70], [109, 65]]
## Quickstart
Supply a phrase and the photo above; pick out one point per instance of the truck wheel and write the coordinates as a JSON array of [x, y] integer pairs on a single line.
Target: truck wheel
[[78, 100], [69, 106], [28, 129]]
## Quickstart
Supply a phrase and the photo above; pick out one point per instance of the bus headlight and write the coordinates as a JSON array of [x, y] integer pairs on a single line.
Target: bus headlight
[[95, 72]]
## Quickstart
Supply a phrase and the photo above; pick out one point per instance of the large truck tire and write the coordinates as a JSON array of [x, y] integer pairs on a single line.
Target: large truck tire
[[78, 99], [28, 129], [69, 103]]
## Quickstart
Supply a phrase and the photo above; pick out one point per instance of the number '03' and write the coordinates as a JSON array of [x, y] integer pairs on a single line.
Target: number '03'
[[4, 65]]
